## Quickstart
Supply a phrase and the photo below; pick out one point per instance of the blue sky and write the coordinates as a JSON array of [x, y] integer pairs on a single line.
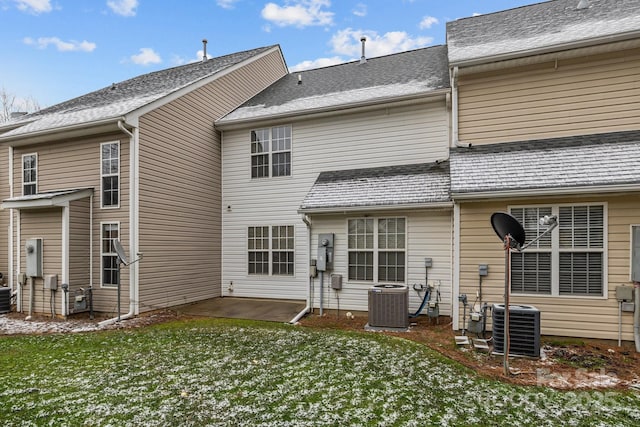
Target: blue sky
[[53, 50]]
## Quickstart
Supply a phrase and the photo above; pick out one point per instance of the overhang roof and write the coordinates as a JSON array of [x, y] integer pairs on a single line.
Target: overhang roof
[[575, 164], [46, 199], [391, 187], [115, 101], [550, 25], [386, 78]]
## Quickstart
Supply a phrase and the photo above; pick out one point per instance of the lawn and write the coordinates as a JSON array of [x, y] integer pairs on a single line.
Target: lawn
[[230, 373]]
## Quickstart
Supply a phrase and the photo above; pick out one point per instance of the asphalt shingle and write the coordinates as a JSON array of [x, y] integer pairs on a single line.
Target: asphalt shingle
[[407, 73], [544, 25], [424, 183], [559, 163], [126, 96]]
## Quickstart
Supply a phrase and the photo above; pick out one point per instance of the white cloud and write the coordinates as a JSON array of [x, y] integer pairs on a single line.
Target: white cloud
[[34, 6], [299, 13], [146, 56], [123, 7], [226, 4], [347, 42], [360, 10], [316, 63], [62, 46], [428, 22]]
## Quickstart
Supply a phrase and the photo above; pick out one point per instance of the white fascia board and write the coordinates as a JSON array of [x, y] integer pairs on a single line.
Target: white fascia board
[[546, 49], [334, 110], [66, 132], [53, 201], [545, 192], [351, 209], [133, 116]]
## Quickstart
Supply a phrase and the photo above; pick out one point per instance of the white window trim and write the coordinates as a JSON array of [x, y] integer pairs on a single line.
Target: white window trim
[[270, 252], [102, 285], [116, 206], [22, 170], [555, 252], [375, 250], [270, 154]]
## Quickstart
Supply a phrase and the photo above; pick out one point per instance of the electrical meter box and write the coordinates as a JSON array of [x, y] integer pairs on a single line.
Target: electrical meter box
[[624, 293], [33, 249], [336, 282], [51, 282], [325, 252]]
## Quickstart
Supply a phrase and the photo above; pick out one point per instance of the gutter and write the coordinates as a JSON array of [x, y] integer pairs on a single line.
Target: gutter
[[70, 131], [536, 192], [133, 234], [345, 209], [307, 309]]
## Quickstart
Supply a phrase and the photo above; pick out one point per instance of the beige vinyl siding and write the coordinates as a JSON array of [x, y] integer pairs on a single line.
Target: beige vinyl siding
[[47, 225], [563, 316], [180, 182], [579, 96], [429, 235], [76, 164], [388, 136], [79, 244]]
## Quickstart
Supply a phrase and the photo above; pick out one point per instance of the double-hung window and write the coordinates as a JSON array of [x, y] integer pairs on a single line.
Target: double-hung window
[[271, 152], [110, 174], [29, 174], [271, 250], [377, 249], [569, 261], [109, 258]]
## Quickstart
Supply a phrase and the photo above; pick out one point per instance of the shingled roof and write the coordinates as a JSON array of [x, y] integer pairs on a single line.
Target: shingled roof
[[407, 186], [550, 25], [576, 163], [412, 73], [124, 97]]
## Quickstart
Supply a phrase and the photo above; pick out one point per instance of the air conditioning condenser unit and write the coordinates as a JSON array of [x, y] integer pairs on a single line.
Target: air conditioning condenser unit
[[389, 306]]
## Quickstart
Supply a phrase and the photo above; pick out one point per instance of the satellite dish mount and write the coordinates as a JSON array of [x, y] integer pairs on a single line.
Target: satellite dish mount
[[122, 259], [513, 236]]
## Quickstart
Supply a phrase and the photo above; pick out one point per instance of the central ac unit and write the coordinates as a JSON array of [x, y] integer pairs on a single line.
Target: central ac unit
[[524, 330], [389, 306]]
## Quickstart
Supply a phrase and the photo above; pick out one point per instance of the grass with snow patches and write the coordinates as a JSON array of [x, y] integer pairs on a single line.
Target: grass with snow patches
[[229, 372]]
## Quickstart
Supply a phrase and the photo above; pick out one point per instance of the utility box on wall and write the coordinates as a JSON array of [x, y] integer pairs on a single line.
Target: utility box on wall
[[33, 249]]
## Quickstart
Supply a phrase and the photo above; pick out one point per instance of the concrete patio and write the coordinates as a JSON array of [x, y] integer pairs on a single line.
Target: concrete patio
[[244, 308]]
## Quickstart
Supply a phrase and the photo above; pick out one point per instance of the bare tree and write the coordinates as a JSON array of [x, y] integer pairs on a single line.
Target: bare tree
[[10, 103]]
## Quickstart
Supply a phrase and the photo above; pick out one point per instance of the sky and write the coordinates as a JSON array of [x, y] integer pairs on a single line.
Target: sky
[[54, 50]]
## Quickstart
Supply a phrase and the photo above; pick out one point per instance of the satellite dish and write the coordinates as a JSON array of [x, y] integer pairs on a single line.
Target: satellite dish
[[504, 224], [117, 246]]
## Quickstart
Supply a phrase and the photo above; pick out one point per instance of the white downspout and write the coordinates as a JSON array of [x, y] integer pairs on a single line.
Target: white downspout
[[133, 204], [456, 267], [636, 316], [454, 110], [308, 307], [10, 264]]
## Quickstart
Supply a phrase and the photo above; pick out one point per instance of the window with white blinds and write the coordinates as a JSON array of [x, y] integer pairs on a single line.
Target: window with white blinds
[[568, 261]]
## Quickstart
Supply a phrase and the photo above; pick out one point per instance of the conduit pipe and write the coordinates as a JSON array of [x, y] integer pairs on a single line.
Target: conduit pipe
[[306, 310], [636, 316], [133, 171]]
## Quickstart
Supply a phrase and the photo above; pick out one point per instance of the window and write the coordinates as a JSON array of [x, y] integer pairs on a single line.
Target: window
[[108, 255], [110, 174], [377, 249], [271, 250], [29, 174], [568, 261], [271, 152]]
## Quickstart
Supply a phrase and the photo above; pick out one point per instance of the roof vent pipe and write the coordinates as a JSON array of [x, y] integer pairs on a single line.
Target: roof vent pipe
[[583, 4], [204, 50], [363, 58]]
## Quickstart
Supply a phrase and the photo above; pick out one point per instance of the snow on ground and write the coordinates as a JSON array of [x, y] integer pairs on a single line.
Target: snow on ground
[[13, 326]]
